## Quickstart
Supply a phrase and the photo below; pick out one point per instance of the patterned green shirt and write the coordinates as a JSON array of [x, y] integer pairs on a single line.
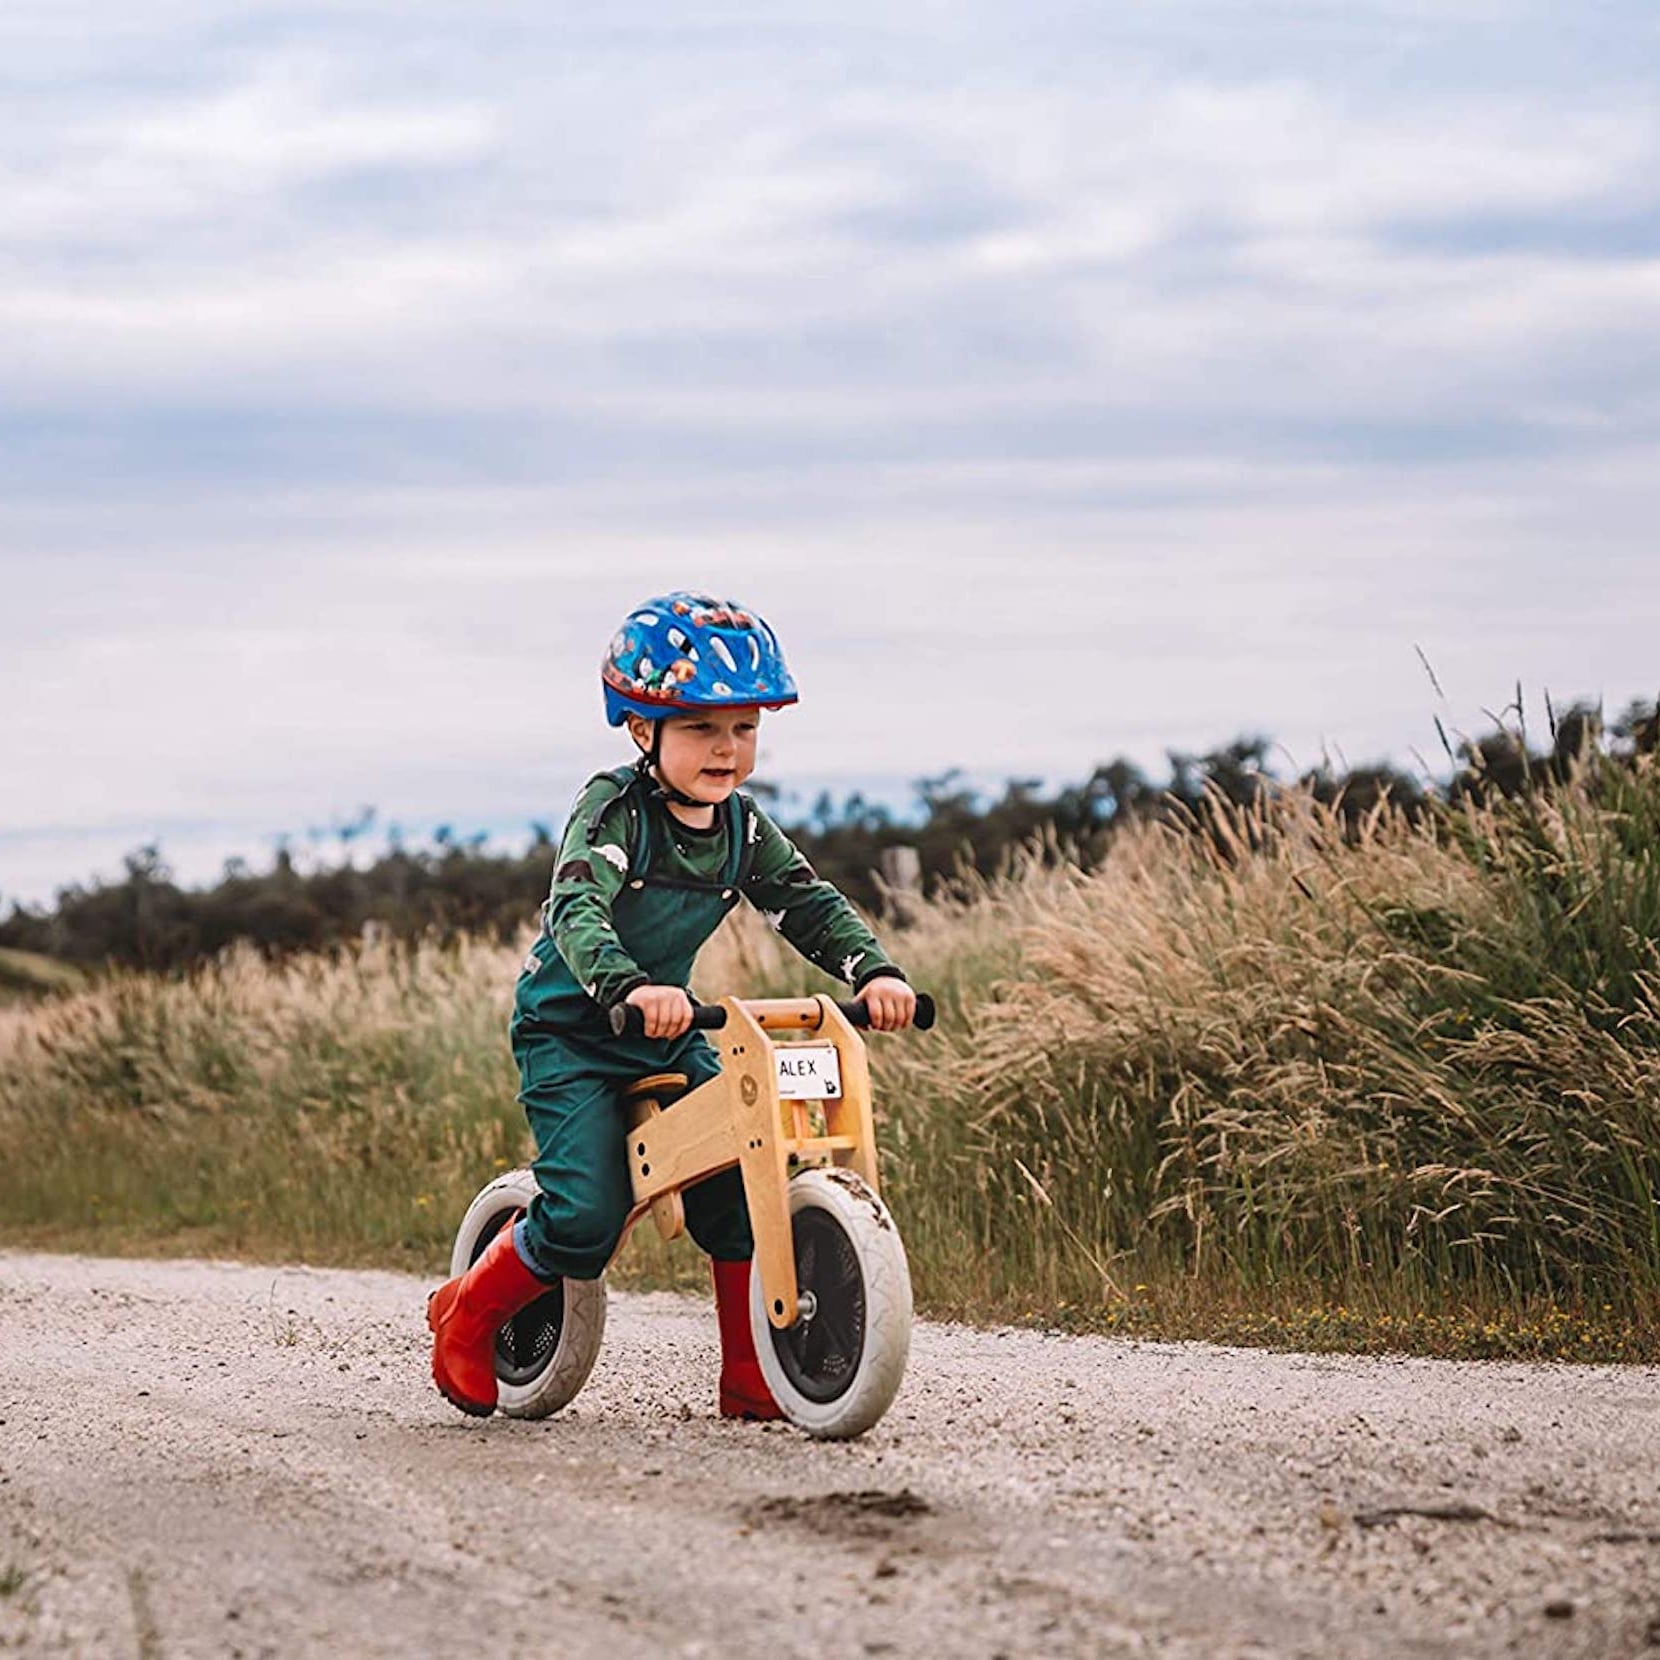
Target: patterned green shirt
[[593, 865]]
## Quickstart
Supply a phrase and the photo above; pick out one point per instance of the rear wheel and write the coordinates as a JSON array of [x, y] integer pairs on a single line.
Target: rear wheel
[[837, 1369], [546, 1351]]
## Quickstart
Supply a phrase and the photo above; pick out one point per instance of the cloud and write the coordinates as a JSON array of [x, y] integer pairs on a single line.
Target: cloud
[[557, 231], [1191, 364]]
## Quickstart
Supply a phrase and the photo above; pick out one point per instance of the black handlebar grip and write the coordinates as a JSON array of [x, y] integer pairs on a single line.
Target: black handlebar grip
[[629, 1021], [858, 1013]]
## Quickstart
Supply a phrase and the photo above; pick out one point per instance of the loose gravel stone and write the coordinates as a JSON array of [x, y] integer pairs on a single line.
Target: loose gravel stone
[[198, 1457]]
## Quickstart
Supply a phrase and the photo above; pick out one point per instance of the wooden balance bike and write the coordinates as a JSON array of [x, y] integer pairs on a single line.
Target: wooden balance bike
[[830, 1295]]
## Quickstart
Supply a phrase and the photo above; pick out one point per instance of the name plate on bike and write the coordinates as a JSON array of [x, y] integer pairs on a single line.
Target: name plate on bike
[[808, 1071]]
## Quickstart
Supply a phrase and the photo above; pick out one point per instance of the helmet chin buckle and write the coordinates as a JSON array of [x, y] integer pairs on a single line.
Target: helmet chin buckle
[[670, 793]]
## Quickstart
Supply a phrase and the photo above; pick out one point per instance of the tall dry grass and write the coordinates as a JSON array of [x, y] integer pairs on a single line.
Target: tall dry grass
[[1279, 1058], [1405, 1068], [1410, 1067], [337, 1110]]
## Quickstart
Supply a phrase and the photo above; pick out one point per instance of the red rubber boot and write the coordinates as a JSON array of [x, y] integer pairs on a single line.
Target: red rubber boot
[[743, 1390], [464, 1314]]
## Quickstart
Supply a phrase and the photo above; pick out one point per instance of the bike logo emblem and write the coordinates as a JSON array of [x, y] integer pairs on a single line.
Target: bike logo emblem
[[749, 1089]]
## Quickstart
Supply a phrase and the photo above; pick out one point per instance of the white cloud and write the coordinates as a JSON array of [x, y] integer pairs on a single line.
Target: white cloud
[[581, 233], [218, 160], [364, 366]]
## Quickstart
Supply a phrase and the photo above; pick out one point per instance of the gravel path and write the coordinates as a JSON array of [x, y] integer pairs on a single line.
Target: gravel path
[[210, 1459]]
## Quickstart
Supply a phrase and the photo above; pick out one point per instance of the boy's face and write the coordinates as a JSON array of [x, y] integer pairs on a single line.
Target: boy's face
[[706, 755]]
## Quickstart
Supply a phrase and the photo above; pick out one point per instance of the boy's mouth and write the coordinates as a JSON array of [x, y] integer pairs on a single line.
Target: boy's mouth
[[720, 774]]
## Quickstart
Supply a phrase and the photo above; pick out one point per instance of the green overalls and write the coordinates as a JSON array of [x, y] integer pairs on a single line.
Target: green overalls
[[635, 895]]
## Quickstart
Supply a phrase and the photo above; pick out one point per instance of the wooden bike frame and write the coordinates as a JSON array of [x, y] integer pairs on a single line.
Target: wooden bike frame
[[739, 1118]]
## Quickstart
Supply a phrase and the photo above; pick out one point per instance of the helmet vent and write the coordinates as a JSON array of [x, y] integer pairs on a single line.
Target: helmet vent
[[684, 651]]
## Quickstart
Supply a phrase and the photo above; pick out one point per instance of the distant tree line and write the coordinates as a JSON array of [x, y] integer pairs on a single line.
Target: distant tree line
[[146, 920]]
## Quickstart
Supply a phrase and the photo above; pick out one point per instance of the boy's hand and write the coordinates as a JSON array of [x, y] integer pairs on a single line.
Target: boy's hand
[[667, 1009], [891, 1002]]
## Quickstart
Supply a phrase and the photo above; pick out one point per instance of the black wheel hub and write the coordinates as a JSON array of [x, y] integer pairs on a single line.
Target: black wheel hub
[[820, 1354], [525, 1344]]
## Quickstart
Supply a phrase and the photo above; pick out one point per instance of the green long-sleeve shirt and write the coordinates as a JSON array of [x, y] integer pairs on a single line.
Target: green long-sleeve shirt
[[593, 867]]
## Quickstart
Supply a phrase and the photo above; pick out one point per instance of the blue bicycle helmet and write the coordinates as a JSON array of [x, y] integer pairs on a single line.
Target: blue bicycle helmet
[[685, 651]]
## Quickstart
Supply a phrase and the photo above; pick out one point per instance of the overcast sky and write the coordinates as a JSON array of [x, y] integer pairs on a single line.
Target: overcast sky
[[1061, 381]]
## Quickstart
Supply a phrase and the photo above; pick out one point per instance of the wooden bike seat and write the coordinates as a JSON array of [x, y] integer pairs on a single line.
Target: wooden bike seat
[[645, 1099], [664, 1086]]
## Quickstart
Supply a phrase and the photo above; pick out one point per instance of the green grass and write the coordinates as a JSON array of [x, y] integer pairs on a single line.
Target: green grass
[[1282, 1086]]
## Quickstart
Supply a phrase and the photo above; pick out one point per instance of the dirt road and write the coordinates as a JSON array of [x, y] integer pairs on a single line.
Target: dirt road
[[207, 1459]]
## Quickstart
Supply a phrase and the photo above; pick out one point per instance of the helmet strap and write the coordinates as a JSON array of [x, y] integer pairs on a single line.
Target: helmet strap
[[647, 766]]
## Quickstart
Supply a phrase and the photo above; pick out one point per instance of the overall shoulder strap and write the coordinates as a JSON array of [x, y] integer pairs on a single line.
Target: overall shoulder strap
[[738, 853], [622, 781]]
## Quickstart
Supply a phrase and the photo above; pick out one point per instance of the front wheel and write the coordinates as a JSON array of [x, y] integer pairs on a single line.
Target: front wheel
[[546, 1351], [837, 1369]]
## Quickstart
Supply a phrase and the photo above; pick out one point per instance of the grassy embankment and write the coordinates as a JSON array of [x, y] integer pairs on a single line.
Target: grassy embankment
[[1403, 1093], [25, 976]]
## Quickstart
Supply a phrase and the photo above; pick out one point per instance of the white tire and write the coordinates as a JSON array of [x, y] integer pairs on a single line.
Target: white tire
[[836, 1371], [546, 1351]]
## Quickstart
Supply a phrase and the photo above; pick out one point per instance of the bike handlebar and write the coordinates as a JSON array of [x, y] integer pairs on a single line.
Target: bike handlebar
[[629, 1021]]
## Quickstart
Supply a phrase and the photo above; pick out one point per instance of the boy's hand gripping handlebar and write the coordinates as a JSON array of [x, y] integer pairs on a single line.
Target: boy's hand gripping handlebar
[[629, 1021]]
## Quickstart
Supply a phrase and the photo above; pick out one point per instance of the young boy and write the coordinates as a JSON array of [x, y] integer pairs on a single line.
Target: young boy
[[653, 856]]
